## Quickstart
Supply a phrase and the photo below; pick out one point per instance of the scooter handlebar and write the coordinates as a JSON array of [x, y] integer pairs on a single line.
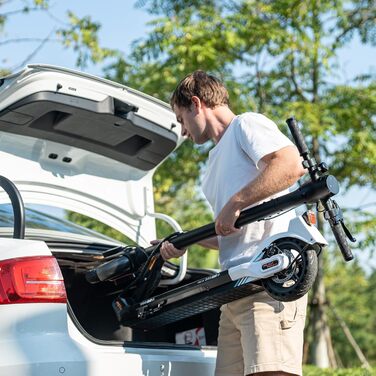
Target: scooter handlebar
[[341, 239], [128, 262], [297, 135], [335, 223], [108, 269], [333, 215]]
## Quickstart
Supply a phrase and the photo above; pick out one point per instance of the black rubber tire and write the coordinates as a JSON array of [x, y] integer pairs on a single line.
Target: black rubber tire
[[305, 272]]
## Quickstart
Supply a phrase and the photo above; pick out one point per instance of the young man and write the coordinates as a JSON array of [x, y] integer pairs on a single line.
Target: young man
[[251, 161]]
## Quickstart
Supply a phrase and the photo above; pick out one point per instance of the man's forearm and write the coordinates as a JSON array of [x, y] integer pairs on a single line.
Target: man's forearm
[[265, 185], [211, 243]]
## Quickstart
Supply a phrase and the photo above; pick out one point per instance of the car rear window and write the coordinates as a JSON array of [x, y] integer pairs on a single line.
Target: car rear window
[[37, 219]]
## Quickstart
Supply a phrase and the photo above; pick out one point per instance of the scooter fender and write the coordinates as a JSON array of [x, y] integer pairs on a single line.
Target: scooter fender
[[298, 229], [259, 268]]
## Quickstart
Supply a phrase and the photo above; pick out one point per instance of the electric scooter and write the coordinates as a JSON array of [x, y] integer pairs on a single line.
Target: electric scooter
[[284, 265]]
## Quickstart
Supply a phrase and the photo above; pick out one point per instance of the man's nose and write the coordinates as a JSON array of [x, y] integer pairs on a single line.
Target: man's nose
[[183, 131]]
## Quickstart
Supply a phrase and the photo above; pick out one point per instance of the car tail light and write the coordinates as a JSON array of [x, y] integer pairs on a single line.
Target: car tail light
[[31, 280]]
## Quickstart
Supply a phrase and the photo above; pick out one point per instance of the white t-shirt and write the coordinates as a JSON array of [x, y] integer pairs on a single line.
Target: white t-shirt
[[232, 164]]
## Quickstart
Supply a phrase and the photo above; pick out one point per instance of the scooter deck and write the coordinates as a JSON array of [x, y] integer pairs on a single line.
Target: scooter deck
[[194, 298]]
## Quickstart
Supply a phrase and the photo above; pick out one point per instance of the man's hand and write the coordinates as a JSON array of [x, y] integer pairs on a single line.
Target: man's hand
[[224, 223], [168, 250]]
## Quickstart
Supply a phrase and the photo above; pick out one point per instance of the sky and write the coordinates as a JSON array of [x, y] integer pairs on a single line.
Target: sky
[[121, 24]]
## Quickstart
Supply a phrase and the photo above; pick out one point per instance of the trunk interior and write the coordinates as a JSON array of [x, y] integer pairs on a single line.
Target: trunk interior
[[92, 303]]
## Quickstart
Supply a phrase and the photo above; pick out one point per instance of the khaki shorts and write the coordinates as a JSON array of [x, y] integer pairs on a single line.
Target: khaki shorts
[[260, 334]]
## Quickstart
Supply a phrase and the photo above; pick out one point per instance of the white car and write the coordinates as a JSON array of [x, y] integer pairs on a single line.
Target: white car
[[73, 141]]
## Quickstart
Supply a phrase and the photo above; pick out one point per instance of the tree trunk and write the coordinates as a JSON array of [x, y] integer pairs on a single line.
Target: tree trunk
[[321, 354], [351, 339]]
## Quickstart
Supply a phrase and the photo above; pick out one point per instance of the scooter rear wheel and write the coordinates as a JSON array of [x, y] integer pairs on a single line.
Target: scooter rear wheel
[[295, 281]]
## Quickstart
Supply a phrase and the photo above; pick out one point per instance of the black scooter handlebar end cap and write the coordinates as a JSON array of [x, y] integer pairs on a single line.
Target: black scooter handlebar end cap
[[348, 256], [92, 276], [332, 184]]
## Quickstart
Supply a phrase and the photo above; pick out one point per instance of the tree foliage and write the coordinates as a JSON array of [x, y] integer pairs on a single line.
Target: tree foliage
[[82, 36]]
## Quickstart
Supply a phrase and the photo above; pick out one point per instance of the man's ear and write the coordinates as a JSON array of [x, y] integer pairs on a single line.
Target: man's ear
[[196, 102]]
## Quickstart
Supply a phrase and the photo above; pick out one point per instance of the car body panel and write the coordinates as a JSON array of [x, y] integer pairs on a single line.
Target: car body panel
[[34, 340], [11, 248], [42, 342]]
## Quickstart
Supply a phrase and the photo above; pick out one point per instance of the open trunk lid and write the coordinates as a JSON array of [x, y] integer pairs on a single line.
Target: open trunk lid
[[82, 143]]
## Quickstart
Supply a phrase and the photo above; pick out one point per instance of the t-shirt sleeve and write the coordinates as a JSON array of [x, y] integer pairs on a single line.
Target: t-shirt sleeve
[[259, 136]]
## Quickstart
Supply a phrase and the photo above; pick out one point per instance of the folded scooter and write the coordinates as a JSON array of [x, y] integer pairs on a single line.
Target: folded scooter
[[285, 265]]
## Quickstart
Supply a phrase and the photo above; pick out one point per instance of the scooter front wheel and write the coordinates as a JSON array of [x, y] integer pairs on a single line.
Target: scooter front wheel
[[296, 280]]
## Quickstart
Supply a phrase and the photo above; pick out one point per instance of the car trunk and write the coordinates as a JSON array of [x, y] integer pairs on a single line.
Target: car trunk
[[91, 304]]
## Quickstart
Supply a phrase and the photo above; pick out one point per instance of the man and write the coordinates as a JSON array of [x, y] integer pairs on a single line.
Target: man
[[250, 162]]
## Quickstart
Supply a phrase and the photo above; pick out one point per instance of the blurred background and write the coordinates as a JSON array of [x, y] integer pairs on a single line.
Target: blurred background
[[314, 59]]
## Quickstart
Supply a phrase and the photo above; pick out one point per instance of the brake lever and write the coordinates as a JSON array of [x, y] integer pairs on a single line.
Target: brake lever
[[347, 232], [335, 216]]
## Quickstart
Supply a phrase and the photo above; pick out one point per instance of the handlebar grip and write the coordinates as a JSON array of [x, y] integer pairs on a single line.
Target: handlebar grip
[[342, 241], [297, 136], [108, 269]]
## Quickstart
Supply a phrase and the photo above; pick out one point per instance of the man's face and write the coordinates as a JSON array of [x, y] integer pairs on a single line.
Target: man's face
[[193, 123]]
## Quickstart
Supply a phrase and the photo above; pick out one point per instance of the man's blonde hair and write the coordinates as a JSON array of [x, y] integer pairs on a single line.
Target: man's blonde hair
[[202, 85]]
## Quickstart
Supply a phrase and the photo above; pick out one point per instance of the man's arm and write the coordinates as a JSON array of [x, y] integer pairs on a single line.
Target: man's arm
[[211, 243], [169, 251], [280, 170]]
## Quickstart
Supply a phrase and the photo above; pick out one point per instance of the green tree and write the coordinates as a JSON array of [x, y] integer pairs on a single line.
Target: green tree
[[277, 57]]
